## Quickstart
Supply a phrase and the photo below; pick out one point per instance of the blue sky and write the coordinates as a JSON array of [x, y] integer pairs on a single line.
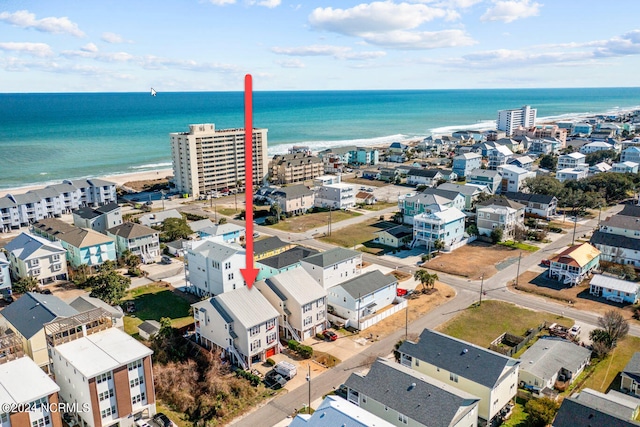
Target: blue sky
[[190, 45]]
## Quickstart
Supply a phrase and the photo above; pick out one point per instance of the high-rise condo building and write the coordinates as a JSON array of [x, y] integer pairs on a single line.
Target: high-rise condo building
[[207, 160], [509, 120]]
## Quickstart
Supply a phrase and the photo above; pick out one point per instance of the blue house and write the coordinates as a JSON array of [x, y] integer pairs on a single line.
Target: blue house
[[613, 289], [5, 277], [282, 262], [223, 233], [463, 164]]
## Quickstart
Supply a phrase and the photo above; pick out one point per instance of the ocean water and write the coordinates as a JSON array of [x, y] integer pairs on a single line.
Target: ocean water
[[50, 137]]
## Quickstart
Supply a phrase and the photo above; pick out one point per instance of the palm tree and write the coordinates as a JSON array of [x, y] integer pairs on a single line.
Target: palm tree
[[438, 245], [427, 280]]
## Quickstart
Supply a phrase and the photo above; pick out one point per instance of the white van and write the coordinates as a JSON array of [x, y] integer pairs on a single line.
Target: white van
[[286, 369]]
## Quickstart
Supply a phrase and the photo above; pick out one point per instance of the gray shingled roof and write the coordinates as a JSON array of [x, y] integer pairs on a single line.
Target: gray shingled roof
[[288, 257], [31, 311], [574, 413], [547, 356], [501, 201], [109, 207], [294, 191], [427, 173], [151, 327], [529, 197], [423, 399], [613, 402], [269, 244], [632, 369], [367, 283], [614, 240], [630, 210], [467, 360], [25, 245], [622, 221], [131, 230], [465, 190], [6, 202], [331, 257], [399, 231]]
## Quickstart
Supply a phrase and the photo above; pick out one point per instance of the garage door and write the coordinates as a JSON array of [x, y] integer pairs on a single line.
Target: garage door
[[307, 334], [270, 352]]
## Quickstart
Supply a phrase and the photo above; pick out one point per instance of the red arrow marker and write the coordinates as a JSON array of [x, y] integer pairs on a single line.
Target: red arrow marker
[[249, 272]]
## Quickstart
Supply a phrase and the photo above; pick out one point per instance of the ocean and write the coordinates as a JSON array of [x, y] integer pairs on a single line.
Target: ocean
[[50, 137]]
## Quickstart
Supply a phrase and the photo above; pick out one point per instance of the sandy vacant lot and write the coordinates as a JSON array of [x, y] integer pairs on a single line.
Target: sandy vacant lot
[[473, 260]]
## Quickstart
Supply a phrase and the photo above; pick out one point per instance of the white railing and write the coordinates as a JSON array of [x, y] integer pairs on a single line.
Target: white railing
[[292, 331], [232, 349]]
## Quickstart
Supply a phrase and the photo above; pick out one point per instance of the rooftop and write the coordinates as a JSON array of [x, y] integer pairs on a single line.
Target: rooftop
[[269, 244], [578, 255], [335, 411], [31, 311], [25, 246], [131, 230], [247, 306], [332, 256], [574, 413], [299, 284], [547, 356], [367, 283], [288, 257], [22, 381]]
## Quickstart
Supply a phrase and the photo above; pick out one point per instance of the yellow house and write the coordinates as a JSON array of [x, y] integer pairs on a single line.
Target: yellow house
[[26, 318], [491, 376], [271, 246]]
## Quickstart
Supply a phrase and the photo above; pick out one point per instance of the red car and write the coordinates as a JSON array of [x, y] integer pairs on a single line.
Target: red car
[[545, 262], [331, 336], [401, 292]]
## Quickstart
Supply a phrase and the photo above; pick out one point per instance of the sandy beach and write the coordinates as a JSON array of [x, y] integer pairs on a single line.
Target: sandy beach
[[118, 179]]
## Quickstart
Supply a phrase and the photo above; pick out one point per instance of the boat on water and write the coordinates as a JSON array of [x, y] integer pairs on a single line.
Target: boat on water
[[153, 92]]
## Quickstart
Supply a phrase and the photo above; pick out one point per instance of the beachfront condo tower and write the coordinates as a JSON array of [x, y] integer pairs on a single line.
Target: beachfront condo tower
[[206, 160], [510, 120]]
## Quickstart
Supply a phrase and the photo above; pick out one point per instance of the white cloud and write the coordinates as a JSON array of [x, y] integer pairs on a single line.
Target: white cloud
[[269, 3], [338, 52], [113, 38], [89, 47], [291, 63], [511, 10], [409, 40], [53, 25], [35, 49], [627, 44], [222, 2]]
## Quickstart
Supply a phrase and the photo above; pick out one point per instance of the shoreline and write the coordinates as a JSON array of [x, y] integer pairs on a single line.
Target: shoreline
[[119, 179]]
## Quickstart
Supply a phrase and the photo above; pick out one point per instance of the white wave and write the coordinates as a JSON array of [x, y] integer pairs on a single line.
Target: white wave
[[153, 166], [44, 173], [479, 126], [361, 142]]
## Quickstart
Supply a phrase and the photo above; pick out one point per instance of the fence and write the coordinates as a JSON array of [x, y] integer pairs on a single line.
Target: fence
[[460, 243], [517, 341], [399, 304]]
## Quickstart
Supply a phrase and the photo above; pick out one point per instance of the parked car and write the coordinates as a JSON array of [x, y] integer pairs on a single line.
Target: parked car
[[545, 262], [166, 259], [574, 331], [162, 420], [286, 369], [274, 380], [401, 292], [330, 335]]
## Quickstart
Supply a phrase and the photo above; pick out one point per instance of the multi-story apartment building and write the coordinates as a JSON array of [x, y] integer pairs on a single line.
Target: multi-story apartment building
[[336, 196], [510, 120], [543, 131], [94, 191], [137, 239], [214, 268], [300, 301], [242, 323], [294, 167], [334, 266], [618, 237], [499, 212], [464, 163], [105, 371], [206, 159], [35, 256]]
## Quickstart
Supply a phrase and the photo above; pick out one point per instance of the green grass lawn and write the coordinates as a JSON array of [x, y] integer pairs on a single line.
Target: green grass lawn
[[308, 221], [606, 373], [357, 234], [518, 417], [521, 246], [154, 302], [481, 325]]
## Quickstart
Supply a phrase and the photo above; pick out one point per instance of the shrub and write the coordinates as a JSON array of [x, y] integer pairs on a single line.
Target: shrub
[[270, 362], [320, 336], [270, 220], [293, 345], [253, 379], [305, 351]]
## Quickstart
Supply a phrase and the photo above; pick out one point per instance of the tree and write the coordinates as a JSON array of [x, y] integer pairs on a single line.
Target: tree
[[438, 245], [541, 411], [544, 185], [276, 211], [548, 161], [80, 274], [614, 324], [519, 233], [497, 234], [25, 284], [175, 228], [109, 286], [222, 221], [472, 230], [427, 280]]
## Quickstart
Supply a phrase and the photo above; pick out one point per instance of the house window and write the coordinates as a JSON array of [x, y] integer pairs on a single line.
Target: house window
[[364, 398], [104, 377], [307, 307], [56, 257], [227, 265], [403, 418], [107, 412], [271, 324], [453, 377], [320, 302], [255, 330], [230, 276], [308, 320], [271, 337], [105, 395], [35, 262], [35, 272], [136, 382], [255, 345], [138, 398], [135, 365], [56, 267], [320, 315]]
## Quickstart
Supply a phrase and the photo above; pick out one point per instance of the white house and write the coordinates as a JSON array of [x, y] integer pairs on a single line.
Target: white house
[[618, 237], [540, 205], [439, 223], [428, 177], [513, 177], [335, 411], [596, 146], [214, 268], [5, 275], [300, 301], [486, 374], [630, 154], [34, 256], [498, 156], [572, 174], [625, 167], [572, 160], [334, 266], [356, 301], [336, 196], [137, 239], [242, 323], [499, 212]]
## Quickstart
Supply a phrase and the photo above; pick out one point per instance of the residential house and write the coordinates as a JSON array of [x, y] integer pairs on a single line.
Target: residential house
[[538, 205], [413, 204], [439, 223], [618, 237], [334, 266], [396, 237], [486, 374], [630, 154], [402, 396], [499, 212], [99, 219], [223, 233], [201, 224], [336, 196], [109, 373], [178, 247], [470, 193], [156, 219], [428, 177], [268, 247], [95, 191], [327, 180], [513, 177], [582, 129], [335, 411], [524, 162], [625, 167], [574, 413], [614, 402], [449, 175], [514, 145], [389, 175], [41, 309], [354, 302], [149, 329], [5, 276], [574, 174], [599, 168], [498, 156], [631, 376], [213, 268], [294, 199], [364, 197], [552, 362], [83, 246], [282, 262], [539, 147], [543, 131], [574, 264], [352, 155], [300, 302], [34, 256], [343, 154], [571, 161], [242, 323], [137, 239], [596, 146], [613, 289], [485, 177], [85, 303], [294, 167], [29, 395], [371, 174], [397, 147]]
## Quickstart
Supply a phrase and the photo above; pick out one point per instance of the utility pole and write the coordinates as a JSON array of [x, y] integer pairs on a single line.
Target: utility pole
[[406, 321], [575, 225], [481, 289], [518, 270], [309, 381]]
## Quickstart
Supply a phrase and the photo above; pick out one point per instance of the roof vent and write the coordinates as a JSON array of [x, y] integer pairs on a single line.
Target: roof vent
[[412, 386], [465, 351]]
